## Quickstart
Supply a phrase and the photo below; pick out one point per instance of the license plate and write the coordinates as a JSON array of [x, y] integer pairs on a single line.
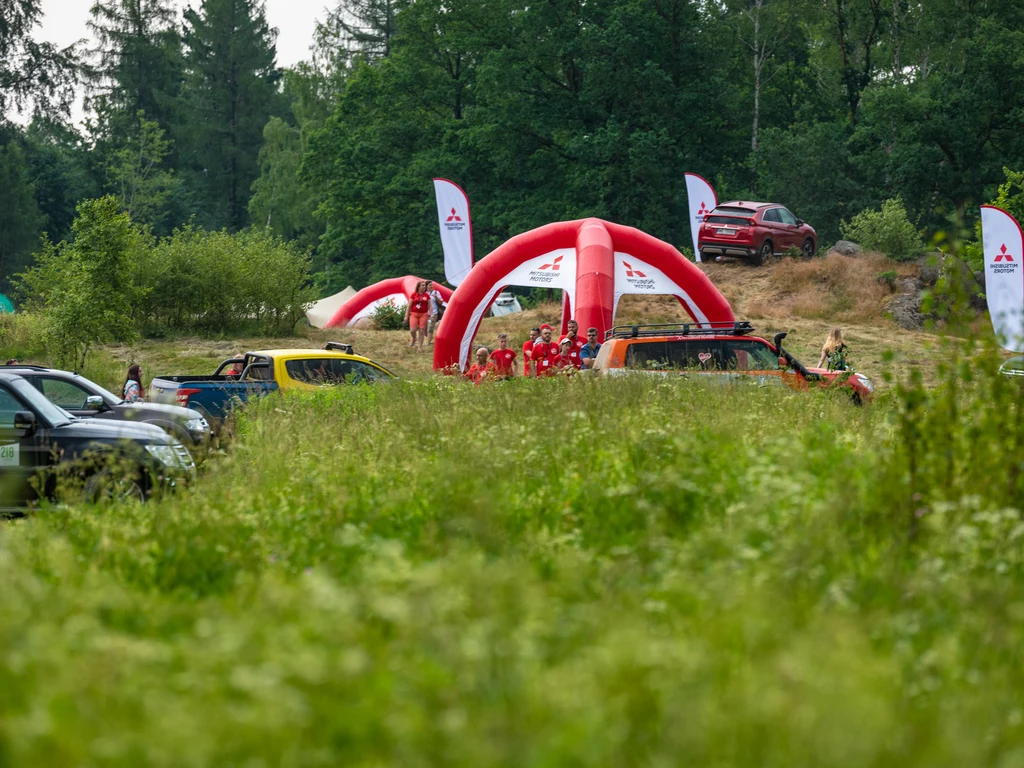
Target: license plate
[[726, 231]]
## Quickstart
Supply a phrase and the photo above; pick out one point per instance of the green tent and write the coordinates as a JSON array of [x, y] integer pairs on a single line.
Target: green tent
[[5, 304]]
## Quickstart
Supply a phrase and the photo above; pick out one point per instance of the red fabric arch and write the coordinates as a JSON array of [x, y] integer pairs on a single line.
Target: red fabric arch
[[392, 287], [596, 244]]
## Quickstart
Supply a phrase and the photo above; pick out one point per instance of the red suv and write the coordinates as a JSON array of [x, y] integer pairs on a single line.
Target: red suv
[[754, 231]]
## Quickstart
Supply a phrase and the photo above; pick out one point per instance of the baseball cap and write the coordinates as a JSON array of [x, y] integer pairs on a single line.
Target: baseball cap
[[565, 340], [546, 327]]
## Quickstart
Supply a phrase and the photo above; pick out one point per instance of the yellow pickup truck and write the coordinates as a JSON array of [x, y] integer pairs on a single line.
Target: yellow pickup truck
[[257, 373]]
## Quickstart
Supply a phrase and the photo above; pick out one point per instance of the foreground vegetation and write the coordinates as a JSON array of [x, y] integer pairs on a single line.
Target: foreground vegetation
[[617, 572]]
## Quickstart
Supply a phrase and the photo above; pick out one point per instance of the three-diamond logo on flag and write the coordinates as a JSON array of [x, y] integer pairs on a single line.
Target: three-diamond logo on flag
[[703, 209], [454, 216], [553, 265], [630, 272], [1003, 254]]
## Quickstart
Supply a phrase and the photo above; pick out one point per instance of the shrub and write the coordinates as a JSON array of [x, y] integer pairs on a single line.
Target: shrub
[[888, 278], [888, 231], [388, 316]]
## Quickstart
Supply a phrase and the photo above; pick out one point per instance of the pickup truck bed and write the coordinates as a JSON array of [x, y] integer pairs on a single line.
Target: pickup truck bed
[[213, 396]]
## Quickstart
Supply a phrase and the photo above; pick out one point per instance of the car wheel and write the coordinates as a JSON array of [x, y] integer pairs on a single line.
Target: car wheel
[[808, 248], [114, 486], [766, 252]]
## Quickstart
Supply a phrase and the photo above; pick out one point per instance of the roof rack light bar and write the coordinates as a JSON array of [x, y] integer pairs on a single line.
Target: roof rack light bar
[[738, 328]]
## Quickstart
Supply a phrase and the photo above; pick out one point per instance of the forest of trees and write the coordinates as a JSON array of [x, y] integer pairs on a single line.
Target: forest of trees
[[543, 111]]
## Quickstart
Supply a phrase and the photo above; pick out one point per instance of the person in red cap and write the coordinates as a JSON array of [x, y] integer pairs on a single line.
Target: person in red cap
[[544, 352], [528, 350], [504, 358]]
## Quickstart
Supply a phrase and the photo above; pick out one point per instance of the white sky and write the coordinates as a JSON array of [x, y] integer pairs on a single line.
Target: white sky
[[64, 23]]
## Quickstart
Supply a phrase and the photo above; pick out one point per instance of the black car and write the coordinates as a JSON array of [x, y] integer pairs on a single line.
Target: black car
[[40, 444], [86, 399]]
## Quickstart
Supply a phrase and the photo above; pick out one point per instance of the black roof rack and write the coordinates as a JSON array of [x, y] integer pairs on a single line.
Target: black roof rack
[[337, 346], [737, 328]]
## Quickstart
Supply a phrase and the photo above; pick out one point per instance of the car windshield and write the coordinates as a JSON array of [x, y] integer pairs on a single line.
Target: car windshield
[[702, 355], [331, 370], [56, 416]]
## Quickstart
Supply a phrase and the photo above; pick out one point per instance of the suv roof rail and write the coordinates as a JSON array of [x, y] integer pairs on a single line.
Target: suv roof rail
[[26, 365], [737, 328], [337, 346]]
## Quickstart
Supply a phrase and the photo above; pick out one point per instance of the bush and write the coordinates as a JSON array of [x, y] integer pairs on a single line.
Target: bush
[[888, 231], [888, 278], [388, 316]]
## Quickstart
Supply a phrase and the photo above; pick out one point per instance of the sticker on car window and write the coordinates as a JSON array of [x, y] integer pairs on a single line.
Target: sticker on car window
[[9, 454]]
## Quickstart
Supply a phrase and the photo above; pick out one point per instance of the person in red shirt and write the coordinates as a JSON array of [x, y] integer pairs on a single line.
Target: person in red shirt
[[528, 350], [417, 312], [563, 362], [572, 331], [574, 351], [544, 352], [482, 369], [504, 359]]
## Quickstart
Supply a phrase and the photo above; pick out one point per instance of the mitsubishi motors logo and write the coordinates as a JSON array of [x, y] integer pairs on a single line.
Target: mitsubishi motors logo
[[454, 223], [554, 265], [1003, 263], [630, 272], [703, 209]]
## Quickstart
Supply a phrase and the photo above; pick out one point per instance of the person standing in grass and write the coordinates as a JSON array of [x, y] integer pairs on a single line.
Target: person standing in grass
[[572, 332], [504, 358], [588, 352], [574, 351], [482, 369], [567, 358], [437, 307], [528, 350], [416, 312], [132, 391], [833, 353], [544, 352]]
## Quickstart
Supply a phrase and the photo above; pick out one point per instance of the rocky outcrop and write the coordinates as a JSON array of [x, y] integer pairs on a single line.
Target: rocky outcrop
[[905, 311], [846, 248]]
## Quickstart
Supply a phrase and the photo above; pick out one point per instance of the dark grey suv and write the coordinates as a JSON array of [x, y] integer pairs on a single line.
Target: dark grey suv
[[86, 399]]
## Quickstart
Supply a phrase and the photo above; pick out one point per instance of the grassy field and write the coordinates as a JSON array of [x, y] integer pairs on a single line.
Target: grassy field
[[631, 571], [617, 572]]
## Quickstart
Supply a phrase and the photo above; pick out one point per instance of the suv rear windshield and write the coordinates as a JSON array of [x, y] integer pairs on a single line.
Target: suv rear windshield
[[701, 354], [332, 370], [725, 214]]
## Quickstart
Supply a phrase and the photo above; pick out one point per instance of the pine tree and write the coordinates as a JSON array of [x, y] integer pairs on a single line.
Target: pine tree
[[30, 71], [230, 93], [19, 215], [357, 28], [138, 62]]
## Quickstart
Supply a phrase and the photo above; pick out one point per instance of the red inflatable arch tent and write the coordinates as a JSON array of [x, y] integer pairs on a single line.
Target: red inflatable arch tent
[[594, 262], [398, 289]]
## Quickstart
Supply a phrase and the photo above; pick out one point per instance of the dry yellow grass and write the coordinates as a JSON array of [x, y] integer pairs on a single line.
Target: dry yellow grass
[[804, 299]]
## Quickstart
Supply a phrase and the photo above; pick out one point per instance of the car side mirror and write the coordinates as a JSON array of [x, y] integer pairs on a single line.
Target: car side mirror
[[25, 420], [94, 403], [799, 222], [783, 364]]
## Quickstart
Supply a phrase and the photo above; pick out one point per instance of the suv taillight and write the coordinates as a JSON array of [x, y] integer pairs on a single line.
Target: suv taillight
[[182, 396]]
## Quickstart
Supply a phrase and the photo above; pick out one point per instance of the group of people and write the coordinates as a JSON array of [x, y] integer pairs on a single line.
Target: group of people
[[542, 356], [423, 312]]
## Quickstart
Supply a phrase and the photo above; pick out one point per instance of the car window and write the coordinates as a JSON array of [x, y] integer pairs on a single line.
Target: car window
[[714, 219], [260, 372], [772, 214], [748, 355], [698, 354], [332, 370], [63, 393], [786, 217], [9, 405]]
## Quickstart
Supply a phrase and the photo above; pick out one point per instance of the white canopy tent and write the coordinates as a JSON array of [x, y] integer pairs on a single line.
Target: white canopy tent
[[322, 311]]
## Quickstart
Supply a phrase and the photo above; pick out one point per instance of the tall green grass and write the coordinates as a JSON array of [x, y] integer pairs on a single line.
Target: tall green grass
[[638, 571]]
